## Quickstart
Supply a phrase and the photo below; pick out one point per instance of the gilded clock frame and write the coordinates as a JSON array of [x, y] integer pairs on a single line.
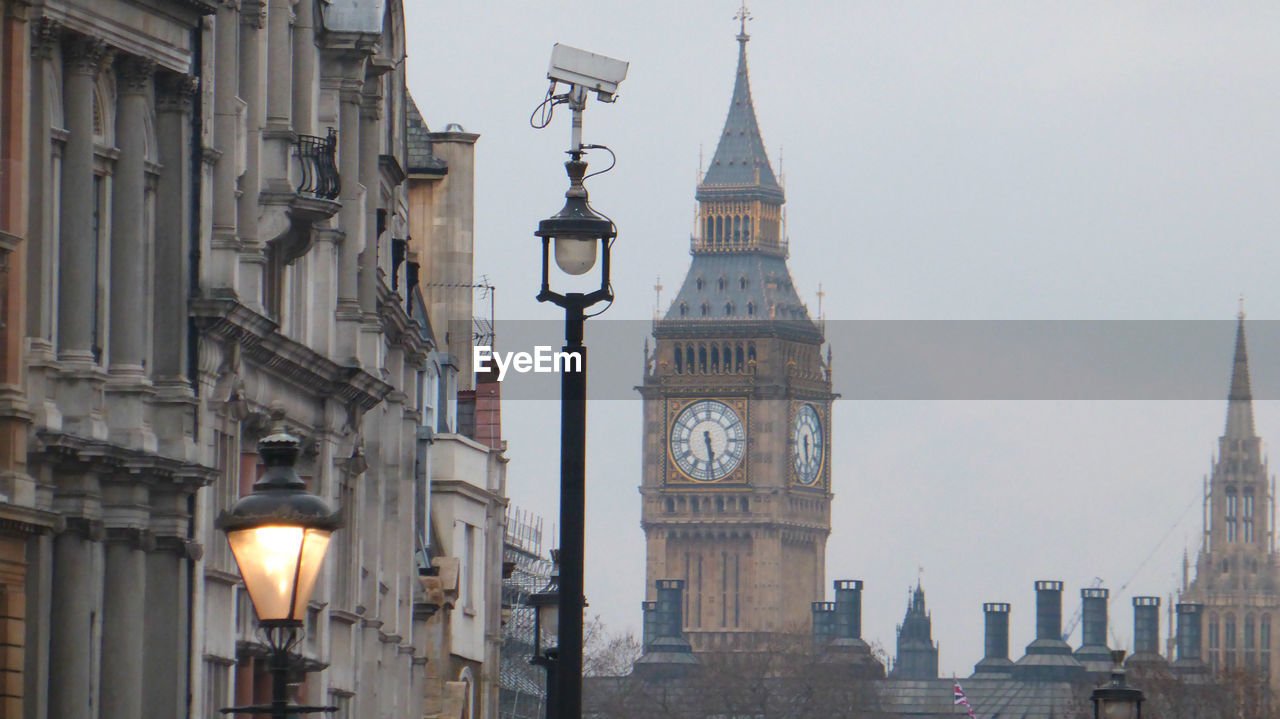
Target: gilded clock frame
[[675, 478], [823, 481]]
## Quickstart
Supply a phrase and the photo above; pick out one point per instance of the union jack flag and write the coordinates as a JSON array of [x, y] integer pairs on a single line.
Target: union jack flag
[[961, 699]]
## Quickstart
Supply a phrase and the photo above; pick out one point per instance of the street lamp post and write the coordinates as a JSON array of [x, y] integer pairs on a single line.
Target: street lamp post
[[1117, 700], [578, 235], [279, 535], [546, 623]]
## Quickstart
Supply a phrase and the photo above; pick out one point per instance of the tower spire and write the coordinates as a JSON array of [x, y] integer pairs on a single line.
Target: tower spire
[[1240, 397]]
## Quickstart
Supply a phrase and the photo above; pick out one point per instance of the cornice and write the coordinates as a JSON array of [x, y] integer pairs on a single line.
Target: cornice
[[262, 344], [58, 448]]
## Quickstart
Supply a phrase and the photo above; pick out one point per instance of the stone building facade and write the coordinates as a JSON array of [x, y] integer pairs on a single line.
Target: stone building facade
[[212, 243], [736, 483]]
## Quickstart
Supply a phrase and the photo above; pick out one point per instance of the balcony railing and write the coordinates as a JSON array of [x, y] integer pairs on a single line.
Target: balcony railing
[[319, 158]]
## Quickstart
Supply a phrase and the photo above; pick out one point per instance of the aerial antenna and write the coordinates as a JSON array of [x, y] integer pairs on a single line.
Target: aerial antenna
[[657, 296]]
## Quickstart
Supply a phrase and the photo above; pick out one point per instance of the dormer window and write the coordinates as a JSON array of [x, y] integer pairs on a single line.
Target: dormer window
[[721, 284], [706, 309], [742, 282], [684, 309], [698, 283], [751, 309], [728, 309]]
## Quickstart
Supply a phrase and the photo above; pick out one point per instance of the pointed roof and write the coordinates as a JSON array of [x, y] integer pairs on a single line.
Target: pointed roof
[[1240, 396], [740, 160]]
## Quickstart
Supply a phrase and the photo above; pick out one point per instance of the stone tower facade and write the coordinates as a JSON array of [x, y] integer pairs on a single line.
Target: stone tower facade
[[1237, 577], [917, 656], [737, 403]]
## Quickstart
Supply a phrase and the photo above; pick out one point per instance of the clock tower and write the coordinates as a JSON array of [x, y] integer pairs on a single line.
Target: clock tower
[[736, 484]]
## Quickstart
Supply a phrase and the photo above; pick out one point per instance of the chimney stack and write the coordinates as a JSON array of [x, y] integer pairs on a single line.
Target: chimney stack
[[1146, 632], [1049, 610], [848, 608], [824, 622], [1189, 662], [1093, 652], [668, 654], [843, 620], [1049, 658], [995, 658]]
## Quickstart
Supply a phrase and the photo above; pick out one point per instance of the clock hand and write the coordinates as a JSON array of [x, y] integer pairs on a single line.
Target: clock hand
[[711, 455], [806, 449]]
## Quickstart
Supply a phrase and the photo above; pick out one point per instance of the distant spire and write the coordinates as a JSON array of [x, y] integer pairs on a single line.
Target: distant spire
[[740, 160], [1240, 397]]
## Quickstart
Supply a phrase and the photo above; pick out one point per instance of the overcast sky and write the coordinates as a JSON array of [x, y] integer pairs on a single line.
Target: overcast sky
[[943, 161]]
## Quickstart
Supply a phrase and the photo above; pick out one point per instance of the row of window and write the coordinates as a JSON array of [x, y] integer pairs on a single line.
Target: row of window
[[1224, 633], [697, 505], [705, 309], [1249, 661], [728, 230], [702, 358], [722, 284]]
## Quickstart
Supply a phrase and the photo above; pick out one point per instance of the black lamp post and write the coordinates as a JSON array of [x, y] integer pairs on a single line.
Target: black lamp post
[[579, 234], [546, 624], [1117, 700], [279, 535]]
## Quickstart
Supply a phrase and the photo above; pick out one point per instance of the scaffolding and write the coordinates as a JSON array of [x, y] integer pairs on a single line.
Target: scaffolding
[[522, 686]]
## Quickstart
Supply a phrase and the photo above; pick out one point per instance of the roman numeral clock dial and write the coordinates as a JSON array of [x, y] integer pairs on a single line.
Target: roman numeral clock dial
[[708, 441], [807, 445]]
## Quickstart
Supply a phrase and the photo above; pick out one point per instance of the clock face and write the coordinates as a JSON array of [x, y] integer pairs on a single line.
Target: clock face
[[708, 440], [807, 446]]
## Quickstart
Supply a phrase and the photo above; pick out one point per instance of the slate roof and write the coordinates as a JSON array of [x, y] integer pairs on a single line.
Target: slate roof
[[419, 158], [740, 158], [769, 292]]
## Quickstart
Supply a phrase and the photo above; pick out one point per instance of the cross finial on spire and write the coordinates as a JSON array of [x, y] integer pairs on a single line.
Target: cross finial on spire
[[1240, 314], [742, 16]]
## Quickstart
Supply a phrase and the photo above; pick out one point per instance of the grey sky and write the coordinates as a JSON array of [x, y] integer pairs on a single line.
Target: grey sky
[[975, 160]]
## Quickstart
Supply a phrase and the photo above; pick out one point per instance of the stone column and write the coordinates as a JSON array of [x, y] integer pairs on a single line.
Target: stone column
[[305, 78], [168, 601], [123, 618], [370, 114], [71, 626], [226, 104], [278, 136], [128, 338], [252, 260], [349, 217], [174, 95], [82, 60]]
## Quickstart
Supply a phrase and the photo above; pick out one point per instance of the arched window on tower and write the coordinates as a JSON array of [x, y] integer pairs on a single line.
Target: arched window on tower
[[746, 229], [1264, 644], [1213, 642], [1247, 514], [702, 360], [710, 233], [684, 309], [737, 229], [721, 284], [706, 309], [751, 352], [679, 360], [742, 282], [715, 359], [719, 229], [728, 309], [698, 283], [737, 359], [688, 359], [751, 309], [1231, 514], [1248, 633]]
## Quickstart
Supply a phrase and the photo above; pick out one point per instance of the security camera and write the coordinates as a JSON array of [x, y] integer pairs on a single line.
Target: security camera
[[587, 70]]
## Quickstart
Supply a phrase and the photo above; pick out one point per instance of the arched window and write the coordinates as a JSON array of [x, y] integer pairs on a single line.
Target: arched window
[[742, 282], [742, 504], [1248, 631], [751, 309], [719, 504], [706, 309], [737, 359], [698, 283], [1264, 633], [728, 309], [746, 229], [684, 309], [751, 352], [688, 357], [711, 230], [721, 284], [679, 360], [671, 505], [715, 359], [1213, 631], [737, 230], [702, 359], [1229, 631], [1232, 534]]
